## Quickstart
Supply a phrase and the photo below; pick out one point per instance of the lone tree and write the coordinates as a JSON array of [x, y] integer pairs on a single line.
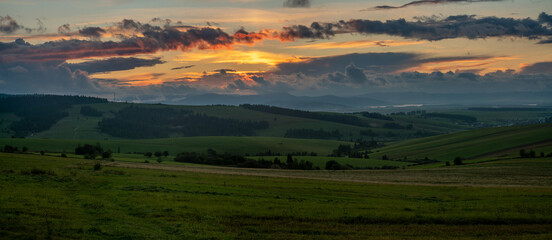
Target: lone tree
[[458, 161], [522, 153], [333, 165], [107, 154], [289, 160]]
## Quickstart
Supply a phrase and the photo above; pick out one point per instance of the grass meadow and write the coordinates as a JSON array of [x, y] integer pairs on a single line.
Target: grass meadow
[[66, 198]]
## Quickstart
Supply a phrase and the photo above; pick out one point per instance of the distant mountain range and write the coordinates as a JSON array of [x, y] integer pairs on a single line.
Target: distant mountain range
[[372, 100], [319, 103]]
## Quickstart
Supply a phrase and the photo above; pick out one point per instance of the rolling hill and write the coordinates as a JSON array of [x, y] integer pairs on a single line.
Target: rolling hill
[[472, 144], [68, 122]]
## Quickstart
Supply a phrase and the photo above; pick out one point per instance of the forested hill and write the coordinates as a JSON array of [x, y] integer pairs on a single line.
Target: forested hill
[[39, 112], [78, 117]]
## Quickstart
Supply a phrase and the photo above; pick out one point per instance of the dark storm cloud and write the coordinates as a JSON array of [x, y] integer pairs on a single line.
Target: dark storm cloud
[[297, 3], [541, 67], [154, 39], [147, 39], [545, 18], [92, 32], [459, 26], [352, 74], [114, 64], [425, 2]]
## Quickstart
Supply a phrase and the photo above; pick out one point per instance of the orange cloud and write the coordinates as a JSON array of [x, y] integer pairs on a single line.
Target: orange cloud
[[237, 56], [464, 64]]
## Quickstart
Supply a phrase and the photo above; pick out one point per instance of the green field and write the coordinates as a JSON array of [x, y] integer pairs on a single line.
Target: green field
[[470, 144], [474, 145], [64, 198], [235, 145]]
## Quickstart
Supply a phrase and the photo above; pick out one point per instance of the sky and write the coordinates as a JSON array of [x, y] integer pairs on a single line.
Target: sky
[[167, 50]]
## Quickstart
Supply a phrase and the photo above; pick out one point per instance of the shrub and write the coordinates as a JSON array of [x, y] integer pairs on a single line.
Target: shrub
[[97, 167], [36, 171], [107, 154], [458, 161], [333, 165]]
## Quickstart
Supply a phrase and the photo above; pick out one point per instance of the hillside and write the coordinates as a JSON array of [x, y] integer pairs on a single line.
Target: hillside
[[111, 120], [472, 144]]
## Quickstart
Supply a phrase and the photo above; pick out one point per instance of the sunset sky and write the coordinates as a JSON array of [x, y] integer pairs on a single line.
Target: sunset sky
[[159, 50]]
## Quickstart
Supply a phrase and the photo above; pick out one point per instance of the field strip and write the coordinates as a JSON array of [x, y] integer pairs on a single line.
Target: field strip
[[467, 176], [511, 149]]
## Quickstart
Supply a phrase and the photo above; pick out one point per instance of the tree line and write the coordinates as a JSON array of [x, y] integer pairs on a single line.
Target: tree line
[[376, 115], [211, 157], [142, 122], [330, 117]]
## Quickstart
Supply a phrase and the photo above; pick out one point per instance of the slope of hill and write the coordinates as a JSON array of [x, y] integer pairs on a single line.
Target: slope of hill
[[72, 123], [470, 144]]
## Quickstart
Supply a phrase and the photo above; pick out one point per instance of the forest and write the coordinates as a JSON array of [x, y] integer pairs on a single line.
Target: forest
[[39, 112], [338, 118], [141, 122]]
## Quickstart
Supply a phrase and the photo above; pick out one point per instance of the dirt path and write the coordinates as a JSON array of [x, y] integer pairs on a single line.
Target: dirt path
[[465, 176]]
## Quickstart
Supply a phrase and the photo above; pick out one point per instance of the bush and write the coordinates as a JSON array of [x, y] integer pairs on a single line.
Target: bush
[[107, 154], [89, 151], [63, 155], [333, 165], [10, 149], [97, 167], [458, 161], [36, 171]]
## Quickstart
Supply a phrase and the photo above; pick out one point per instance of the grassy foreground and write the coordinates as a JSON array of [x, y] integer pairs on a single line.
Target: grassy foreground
[[64, 198]]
